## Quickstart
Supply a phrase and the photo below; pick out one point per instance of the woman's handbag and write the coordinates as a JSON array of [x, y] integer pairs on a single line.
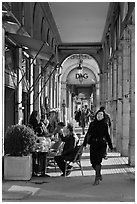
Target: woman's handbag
[[88, 139]]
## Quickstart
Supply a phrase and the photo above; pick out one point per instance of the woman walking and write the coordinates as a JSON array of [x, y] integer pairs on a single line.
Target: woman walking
[[97, 137]]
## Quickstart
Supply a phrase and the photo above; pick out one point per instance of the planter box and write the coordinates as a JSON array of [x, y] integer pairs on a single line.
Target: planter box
[[18, 168]]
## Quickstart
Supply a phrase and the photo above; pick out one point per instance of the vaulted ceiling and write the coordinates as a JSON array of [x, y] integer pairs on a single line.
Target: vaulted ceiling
[[80, 22]]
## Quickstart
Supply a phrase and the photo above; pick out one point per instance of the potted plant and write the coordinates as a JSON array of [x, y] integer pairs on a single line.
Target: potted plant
[[18, 144]]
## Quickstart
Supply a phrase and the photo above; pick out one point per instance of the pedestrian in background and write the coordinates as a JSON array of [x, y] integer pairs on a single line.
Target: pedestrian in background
[[83, 120], [97, 137], [78, 115]]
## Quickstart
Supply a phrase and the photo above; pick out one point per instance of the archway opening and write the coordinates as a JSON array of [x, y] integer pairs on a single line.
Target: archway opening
[[79, 84]]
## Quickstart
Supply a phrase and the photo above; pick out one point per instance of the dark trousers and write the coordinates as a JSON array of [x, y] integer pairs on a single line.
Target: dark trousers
[[61, 163], [39, 163]]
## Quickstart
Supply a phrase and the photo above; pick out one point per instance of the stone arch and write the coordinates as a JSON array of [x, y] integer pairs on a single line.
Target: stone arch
[[37, 19], [42, 25], [48, 36], [97, 57], [73, 77], [68, 66], [73, 64], [34, 10], [71, 67], [44, 28]]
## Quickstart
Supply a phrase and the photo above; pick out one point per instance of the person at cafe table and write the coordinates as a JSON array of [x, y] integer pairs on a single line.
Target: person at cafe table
[[70, 140]]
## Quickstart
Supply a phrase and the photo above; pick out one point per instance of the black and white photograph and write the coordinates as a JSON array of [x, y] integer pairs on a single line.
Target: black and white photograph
[[68, 101]]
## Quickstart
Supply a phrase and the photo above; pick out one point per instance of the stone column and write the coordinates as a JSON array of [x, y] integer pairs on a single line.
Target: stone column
[[96, 100], [105, 87], [125, 93], [97, 96], [109, 88], [132, 99], [63, 111], [119, 129], [63, 100], [19, 117], [109, 107], [56, 91], [59, 95], [51, 92], [47, 89], [69, 108], [107, 93], [114, 103], [2, 84], [101, 87], [31, 85], [37, 87], [74, 107]]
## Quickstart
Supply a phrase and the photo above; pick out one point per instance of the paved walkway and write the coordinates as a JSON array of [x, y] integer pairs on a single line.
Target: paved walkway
[[118, 184]]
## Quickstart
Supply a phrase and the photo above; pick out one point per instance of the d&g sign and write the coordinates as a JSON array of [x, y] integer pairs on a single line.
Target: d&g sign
[[85, 76]]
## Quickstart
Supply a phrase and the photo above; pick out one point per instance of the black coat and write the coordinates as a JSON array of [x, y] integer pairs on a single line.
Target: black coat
[[97, 137], [70, 147]]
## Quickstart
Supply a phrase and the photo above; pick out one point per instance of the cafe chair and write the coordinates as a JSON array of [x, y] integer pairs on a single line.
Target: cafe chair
[[55, 150], [76, 160]]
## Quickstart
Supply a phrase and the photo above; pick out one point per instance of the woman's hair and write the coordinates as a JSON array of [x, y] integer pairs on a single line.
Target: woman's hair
[[33, 115], [70, 127], [99, 112], [102, 108]]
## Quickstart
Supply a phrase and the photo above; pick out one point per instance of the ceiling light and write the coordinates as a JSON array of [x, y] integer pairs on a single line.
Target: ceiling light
[[80, 70]]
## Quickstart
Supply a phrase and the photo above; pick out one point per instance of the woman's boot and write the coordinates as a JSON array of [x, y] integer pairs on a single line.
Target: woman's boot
[[97, 177], [96, 182], [100, 176]]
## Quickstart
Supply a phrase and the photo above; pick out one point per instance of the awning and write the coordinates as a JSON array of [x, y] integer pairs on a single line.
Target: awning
[[35, 47]]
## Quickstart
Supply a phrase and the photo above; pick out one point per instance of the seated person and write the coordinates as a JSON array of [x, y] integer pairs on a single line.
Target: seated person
[[69, 149]]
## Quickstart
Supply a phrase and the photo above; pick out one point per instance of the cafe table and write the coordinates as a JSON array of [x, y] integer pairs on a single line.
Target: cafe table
[[39, 160]]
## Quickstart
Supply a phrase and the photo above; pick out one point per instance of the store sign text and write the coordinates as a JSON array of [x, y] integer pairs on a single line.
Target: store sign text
[[85, 76]]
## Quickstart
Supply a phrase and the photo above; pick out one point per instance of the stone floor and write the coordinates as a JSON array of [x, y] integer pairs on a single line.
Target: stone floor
[[118, 184]]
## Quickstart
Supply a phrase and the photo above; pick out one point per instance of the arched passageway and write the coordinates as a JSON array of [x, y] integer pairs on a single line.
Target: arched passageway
[[37, 40], [79, 84]]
